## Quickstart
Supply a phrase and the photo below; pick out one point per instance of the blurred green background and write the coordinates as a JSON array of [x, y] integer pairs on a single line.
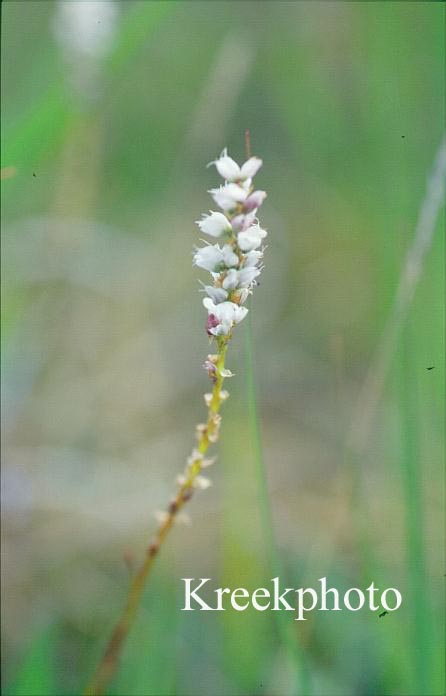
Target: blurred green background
[[110, 113]]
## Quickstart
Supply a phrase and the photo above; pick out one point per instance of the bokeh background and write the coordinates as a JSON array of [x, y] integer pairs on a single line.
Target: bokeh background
[[110, 113]]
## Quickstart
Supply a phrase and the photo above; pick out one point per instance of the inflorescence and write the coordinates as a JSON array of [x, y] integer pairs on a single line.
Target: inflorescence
[[235, 263]]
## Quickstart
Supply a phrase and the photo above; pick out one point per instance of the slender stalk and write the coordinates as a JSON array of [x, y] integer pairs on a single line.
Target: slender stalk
[[289, 638], [206, 435], [373, 386], [229, 291], [419, 633]]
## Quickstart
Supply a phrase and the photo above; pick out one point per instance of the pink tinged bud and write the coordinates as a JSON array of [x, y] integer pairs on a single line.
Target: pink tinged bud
[[214, 224], [254, 201], [211, 323], [251, 167], [208, 365], [227, 313], [242, 222], [237, 223]]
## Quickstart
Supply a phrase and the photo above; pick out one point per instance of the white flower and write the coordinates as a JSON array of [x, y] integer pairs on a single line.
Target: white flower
[[234, 264], [216, 294], [251, 238], [231, 280], [214, 224], [205, 463], [252, 258], [202, 482], [226, 313], [242, 295], [247, 276], [230, 170], [227, 167], [227, 196], [212, 258], [208, 257], [251, 167], [229, 257], [239, 279]]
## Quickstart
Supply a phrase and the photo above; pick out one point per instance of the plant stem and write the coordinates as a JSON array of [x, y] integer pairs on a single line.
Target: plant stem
[[288, 637], [206, 435]]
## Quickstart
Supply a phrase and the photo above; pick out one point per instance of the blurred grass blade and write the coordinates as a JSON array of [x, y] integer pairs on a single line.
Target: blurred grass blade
[[136, 26], [36, 676], [412, 270], [421, 635], [43, 126], [285, 628]]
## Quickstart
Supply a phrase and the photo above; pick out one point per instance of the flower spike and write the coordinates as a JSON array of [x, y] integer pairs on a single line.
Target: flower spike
[[234, 266]]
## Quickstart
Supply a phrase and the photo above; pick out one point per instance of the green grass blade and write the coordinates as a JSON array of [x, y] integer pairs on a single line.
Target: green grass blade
[[284, 626]]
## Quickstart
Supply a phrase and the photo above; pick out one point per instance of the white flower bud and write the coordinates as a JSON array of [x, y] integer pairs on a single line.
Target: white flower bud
[[227, 167], [202, 483], [227, 197], [229, 257], [242, 222], [196, 456], [231, 280], [235, 265], [214, 224], [252, 258], [247, 276], [251, 167], [251, 238], [208, 462], [216, 294], [230, 170], [226, 313], [208, 257], [212, 257], [240, 279]]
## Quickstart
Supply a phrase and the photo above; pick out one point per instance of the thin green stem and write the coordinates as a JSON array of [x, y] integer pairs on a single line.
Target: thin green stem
[[420, 635], [207, 434], [284, 627]]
